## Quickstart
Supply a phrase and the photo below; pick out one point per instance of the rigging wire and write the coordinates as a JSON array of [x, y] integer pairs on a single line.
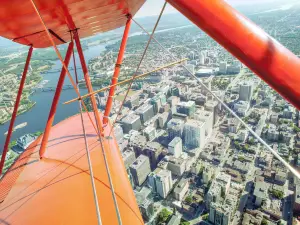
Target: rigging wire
[[87, 147], [61, 59], [287, 165], [139, 65], [76, 90]]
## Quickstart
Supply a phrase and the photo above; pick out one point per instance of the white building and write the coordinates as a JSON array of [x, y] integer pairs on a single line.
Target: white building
[[194, 133], [161, 181], [175, 147], [208, 118], [181, 188]]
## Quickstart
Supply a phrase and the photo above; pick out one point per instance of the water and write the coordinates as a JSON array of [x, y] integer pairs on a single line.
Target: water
[[37, 116]]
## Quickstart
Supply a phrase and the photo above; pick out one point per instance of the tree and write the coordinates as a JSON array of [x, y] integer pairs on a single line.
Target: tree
[[163, 216], [184, 222], [296, 129], [264, 222], [189, 199], [205, 217], [277, 194]]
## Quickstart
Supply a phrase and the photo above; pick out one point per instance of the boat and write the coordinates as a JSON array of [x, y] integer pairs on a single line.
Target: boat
[[74, 173], [21, 125]]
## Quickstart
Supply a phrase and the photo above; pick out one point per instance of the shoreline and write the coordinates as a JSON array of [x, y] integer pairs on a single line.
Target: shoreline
[[22, 112]]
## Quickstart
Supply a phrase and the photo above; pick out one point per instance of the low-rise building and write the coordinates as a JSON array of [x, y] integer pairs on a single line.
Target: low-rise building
[[181, 189]]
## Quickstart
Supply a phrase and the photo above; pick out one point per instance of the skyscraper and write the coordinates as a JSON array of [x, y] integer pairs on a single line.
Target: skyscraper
[[194, 134], [161, 181], [145, 112], [223, 68], [175, 147], [245, 93], [175, 128], [131, 122], [140, 170], [213, 106]]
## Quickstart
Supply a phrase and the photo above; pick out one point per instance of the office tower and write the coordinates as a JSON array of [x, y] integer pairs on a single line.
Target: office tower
[[161, 182], [245, 93], [175, 147], [154, 152], [145, 112], [194, 134], [175, 128], [140, 170], [128, 158], [213, 106], [131, 122], [223, 68]]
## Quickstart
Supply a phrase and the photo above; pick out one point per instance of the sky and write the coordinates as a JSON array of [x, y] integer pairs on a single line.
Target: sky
[[153, 7]]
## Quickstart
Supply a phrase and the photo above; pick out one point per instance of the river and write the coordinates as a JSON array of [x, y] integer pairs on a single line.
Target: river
[[36, 117]]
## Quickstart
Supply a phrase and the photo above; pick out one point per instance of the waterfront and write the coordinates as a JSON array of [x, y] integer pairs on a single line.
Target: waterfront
[[37, 116]]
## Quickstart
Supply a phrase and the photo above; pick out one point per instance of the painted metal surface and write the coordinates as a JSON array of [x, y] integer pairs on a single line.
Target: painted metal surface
[[117, 71], [57, 189], [19, 22], [16, 107], [56, 97], [88, 82], [271, 61]]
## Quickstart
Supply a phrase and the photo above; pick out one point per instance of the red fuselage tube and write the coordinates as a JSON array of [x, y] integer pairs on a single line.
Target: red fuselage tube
[[266, 57]]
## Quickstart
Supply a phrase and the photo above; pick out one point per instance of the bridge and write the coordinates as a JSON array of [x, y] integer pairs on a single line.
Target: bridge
[[50, 89], [58, 70]]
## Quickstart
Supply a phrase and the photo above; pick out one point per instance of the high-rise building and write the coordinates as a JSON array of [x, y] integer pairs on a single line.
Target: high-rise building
[[145, 112], [143, 198], [194, 134], [156, 102], [181, 188], [128, 158], [208, 118], [118, 131], [219, 214], [162, 120], [154, 152], [175, 128], [245, 93], [223, 68], [187, 108], [213, 106], [175, 147], [176, 165], [161, 181], [202, 58], [140, 170], [131, 122], [149, 132]]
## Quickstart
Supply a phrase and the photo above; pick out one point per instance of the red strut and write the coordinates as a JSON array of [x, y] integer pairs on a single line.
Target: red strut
[[117, 72], [15, 112], [272, 62], [58, 90], [87, 81]]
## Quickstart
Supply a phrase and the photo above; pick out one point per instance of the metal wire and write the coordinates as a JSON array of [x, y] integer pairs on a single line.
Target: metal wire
[[139, 65], [295, 172], [60, 58], [75, 88], [87, 148]]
